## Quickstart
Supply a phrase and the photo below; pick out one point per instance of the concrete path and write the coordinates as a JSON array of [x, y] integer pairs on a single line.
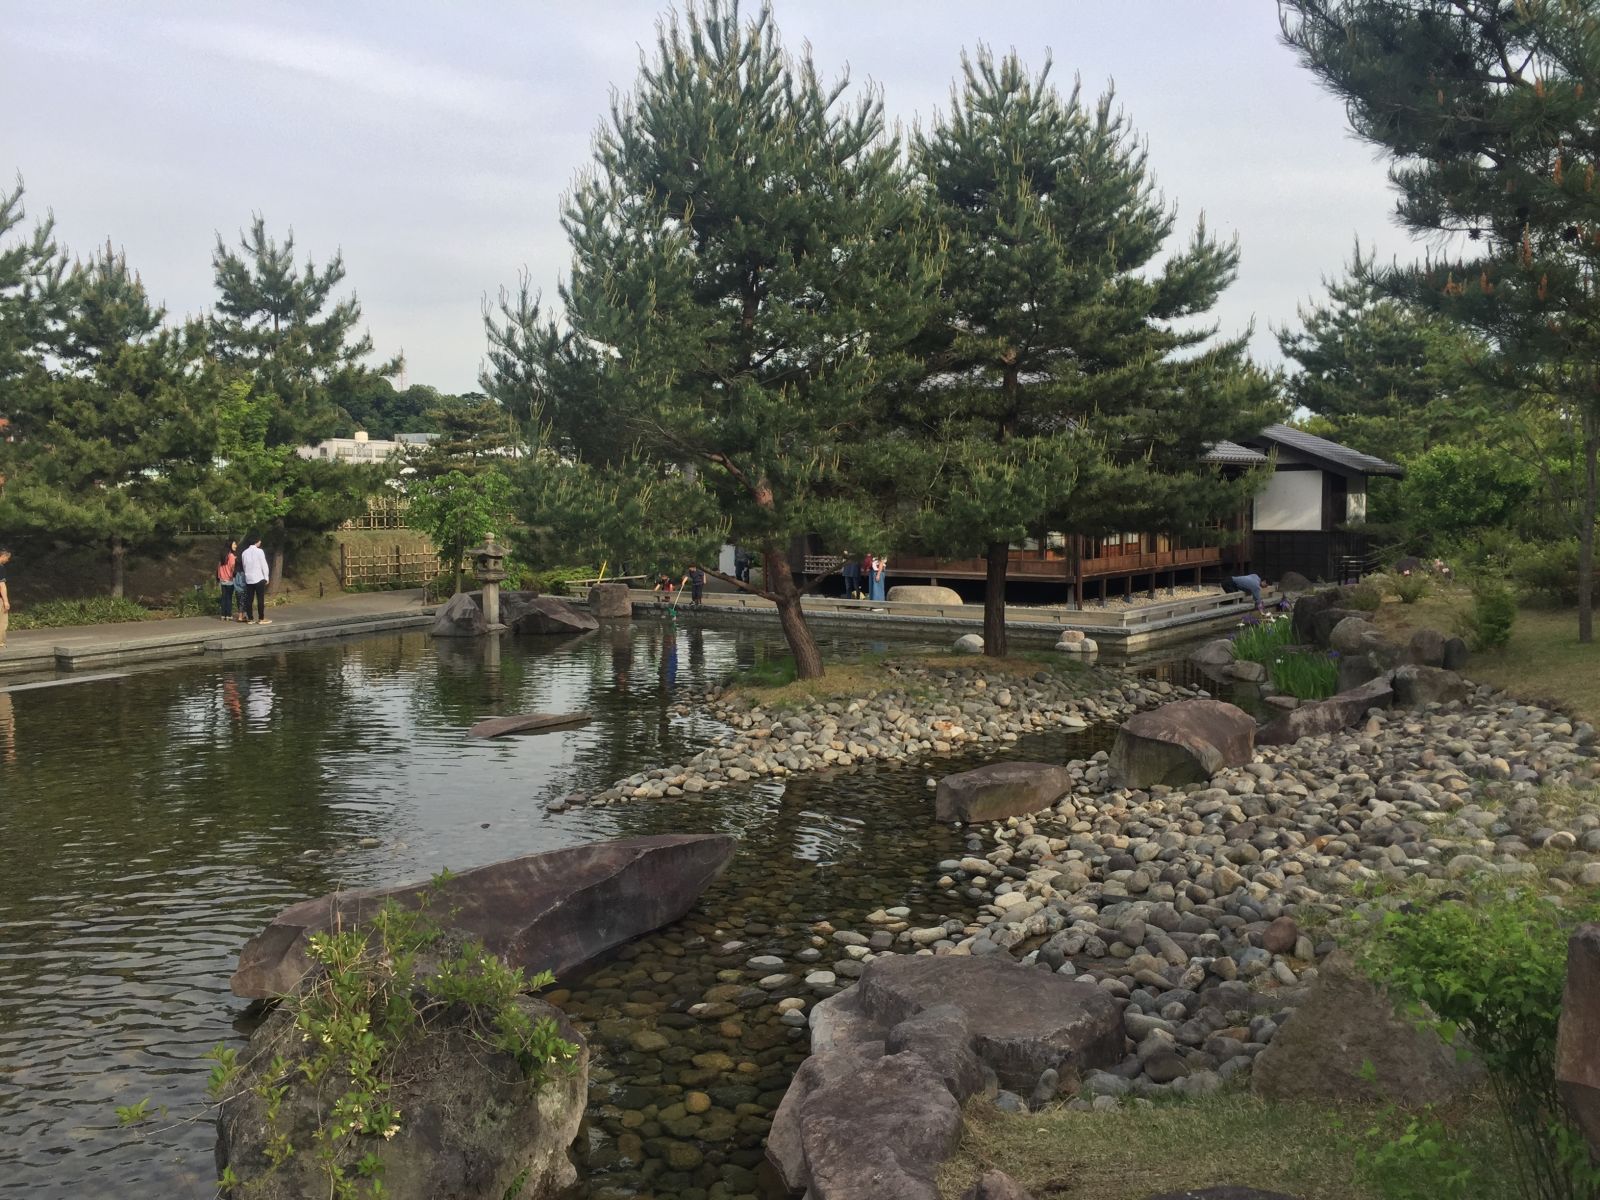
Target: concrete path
[[84, 647]]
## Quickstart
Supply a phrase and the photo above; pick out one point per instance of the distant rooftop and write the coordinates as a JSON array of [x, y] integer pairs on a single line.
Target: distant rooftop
[[1232, 454], [1332, 454]]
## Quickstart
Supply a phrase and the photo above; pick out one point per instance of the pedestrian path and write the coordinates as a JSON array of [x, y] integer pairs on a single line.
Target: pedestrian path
[[85, 647]]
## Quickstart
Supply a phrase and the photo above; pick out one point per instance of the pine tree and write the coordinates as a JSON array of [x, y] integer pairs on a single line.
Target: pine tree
[[471, 440], [1067, 384], [118, 450], [35, 291], [1490, 113], [748, 268], [281, 326]]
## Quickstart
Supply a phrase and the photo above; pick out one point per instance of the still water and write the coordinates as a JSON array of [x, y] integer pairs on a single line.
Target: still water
[[150, 825]]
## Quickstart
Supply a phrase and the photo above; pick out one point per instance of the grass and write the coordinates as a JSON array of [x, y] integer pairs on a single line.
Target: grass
[[1305, 675], [95, 610], [1134, 1151], [1262, 641], [1542, 663], [773, 685]]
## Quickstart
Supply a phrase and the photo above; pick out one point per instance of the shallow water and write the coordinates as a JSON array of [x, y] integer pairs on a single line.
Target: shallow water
[[149, 825]]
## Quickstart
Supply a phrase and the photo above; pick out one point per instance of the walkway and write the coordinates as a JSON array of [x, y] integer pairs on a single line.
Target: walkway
[[88, 647]]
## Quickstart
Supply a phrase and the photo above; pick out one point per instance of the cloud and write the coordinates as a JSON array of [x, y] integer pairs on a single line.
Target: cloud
[[345, 62]]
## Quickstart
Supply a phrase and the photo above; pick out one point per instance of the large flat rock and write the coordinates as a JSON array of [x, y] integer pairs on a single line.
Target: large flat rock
[[1185, 742], [1023, 1020], [919, 593], [550, 911], [547, 615], [459, 616], [1000, 790], [1578, 1043], [1322, 717]]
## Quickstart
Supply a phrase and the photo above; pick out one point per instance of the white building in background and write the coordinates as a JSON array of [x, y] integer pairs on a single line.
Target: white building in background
[[362, 449]]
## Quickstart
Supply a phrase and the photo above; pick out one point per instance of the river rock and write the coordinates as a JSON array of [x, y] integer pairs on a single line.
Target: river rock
[[1293, 581], [459, 616], [969, 643], [1322, 717], [913, 593], [1349, 635], [550, 911], [1186, 742], [1456, 654], [996, 1185], [470, 1125], [1000, 790], [1426, 648], [1578, 1042], [611, 601], [550, 614], [1218, 652], [1023, 1020], [1416, 686], [1346, 1042]]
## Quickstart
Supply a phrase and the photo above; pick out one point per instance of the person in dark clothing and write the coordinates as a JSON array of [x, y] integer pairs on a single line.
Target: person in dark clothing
[[697, 586], [852, 576], [741, 565]]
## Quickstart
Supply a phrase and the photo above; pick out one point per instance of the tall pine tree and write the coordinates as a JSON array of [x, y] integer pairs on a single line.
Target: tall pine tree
[[118, 450], [35, 289], [748, 268], [1490, 114], [1069, 384], [281, 326]]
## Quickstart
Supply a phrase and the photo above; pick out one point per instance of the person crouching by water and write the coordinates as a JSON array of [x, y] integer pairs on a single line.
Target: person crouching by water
[[666, 589], [253, 562], [1250, 584], [226, 566]]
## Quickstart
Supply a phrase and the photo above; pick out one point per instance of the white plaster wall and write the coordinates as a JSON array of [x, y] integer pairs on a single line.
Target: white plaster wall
[[1355, 507], [1291, 500]]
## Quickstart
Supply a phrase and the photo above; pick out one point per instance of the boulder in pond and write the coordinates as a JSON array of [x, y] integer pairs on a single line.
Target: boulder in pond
[[459, 616], [1322, 717], [471, 1126], [1347, 1043], [1578, 1041], [551, 614], [914, 593], [611, 601], [1000, 790], [550, 911], [1185, 742], [1218, 652], [1416, 686], [1024, 1021]]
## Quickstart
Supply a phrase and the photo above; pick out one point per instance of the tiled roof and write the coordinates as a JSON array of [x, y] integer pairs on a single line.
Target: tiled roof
[[1234, 455], [1341, 458]]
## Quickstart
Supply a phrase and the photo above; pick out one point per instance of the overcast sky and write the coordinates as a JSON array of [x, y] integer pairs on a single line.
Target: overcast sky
[[432, 143]]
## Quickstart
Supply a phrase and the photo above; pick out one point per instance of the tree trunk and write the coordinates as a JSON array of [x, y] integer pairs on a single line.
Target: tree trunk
[[996, 560], [119, 557], [1591, 452], [278, 536], [783, 589]]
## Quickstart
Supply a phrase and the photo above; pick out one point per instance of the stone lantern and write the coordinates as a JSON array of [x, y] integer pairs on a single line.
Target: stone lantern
[[489, 566]]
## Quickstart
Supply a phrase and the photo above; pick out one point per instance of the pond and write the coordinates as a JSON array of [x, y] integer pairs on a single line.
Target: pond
[[151, 824]]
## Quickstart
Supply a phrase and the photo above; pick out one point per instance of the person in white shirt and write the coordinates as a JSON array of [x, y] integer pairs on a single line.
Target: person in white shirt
[[253, 562]]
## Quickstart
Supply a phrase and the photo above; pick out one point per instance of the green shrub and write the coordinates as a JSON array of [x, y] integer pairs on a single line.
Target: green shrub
[[1363, 597], [554, 580], [95, 610], [202, 601], [1547, 571], [1306, 674], [772, 672], [1491, 970], [1262, 639], [1493, 612], [1411, 588], [1424, 1163]]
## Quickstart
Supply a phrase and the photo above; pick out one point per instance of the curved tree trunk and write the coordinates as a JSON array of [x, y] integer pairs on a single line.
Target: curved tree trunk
[[996, 559], [786, 593], [119, 560], [276, 582]]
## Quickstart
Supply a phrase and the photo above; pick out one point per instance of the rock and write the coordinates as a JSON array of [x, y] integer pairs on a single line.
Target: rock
[[1293, 581], [526, 723], [1248, 672], [939, 1035], [969, 643], [996, 1185], [1426, 648], [1280, 936], [1223, 1193], [550, 911], [909, 593], [1416, 686], [1322, 717], [1578, 1042], [1024, 1021], [459, 616], [1456, 654], [1218, 652], [1185, 742], [1348, 636], [470, 1126], [1071, 635], [610, 601], [1347, 1043], [549, 615], [1000, 790]]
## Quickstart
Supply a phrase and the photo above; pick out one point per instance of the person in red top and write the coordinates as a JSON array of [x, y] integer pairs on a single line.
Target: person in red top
[[226, 566]]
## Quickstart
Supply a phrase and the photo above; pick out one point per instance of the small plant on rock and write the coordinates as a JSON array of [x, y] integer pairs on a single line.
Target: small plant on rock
[[1306, 674]]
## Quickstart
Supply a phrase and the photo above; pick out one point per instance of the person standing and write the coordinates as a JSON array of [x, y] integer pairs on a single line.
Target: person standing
[[5, 597], [253, 562], [226, 565], [852, 576], [697, 585], [880, 571]]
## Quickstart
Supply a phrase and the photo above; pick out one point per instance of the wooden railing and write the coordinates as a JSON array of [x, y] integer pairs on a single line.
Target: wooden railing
[[397, 565]]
